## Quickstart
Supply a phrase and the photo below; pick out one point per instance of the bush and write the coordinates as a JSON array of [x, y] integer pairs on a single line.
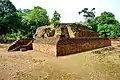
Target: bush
[[111, 31], [14, 36]]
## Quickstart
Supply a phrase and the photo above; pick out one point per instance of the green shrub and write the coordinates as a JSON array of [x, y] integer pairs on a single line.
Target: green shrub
[[14, 36], [111, 31]]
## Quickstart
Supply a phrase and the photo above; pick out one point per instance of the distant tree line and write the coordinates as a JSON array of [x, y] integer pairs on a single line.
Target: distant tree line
[[22, 23], [105, 24]]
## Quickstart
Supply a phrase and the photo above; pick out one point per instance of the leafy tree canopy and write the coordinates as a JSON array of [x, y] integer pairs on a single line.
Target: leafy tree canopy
[[8, 17], [37, 17], [107, 25], [88, 15], [56, 18], [106, 18]]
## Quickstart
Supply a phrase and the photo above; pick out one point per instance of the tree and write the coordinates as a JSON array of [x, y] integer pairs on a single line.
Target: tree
[[106, 18], [107, 25], [23, 26], [88, 15], [8, 17], [109, 30], [35, 18], [56, 18]]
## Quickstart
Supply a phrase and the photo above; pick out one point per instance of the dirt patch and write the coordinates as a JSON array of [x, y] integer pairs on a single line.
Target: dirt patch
[[32, 65]]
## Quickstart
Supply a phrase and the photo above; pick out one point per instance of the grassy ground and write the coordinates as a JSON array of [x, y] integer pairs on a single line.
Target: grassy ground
[[99, 64]]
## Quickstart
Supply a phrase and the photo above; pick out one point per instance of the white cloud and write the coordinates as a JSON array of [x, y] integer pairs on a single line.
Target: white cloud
[[69, 8]]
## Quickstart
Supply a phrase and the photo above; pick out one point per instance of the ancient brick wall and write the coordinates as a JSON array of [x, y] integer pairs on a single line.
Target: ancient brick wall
[[79, 32], [85, 33], [75, 45], [46, 45], [49, 49], [65, 46], [21, 43]]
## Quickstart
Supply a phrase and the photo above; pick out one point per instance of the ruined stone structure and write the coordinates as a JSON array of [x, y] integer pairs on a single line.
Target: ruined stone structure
[[67, 30], [44, 32], [67, 38], [21, 45]]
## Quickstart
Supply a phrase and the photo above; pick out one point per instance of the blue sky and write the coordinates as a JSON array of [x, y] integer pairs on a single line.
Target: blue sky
[[69, 8]]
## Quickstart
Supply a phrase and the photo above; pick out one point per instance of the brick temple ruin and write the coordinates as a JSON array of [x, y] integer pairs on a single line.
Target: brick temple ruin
[[67, 38], [61, 39]]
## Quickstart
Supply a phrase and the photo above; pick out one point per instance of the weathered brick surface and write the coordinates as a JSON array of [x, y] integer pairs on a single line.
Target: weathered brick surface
[[21, 43], [69, 38], [85, 33], [69, 30], [46, 45], [50, 40], [65, 46], [75, 45], [45, 48]]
